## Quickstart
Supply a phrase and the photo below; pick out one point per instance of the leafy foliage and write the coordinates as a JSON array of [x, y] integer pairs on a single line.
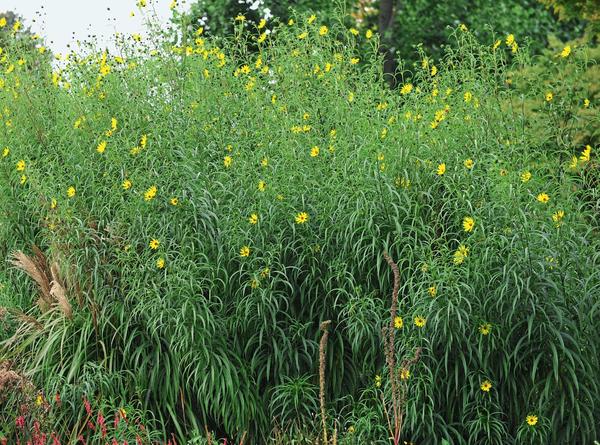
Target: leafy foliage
[[206, 207]]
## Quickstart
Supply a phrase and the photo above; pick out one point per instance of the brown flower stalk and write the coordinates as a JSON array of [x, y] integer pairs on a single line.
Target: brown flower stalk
[[390, 349], [322, 350]]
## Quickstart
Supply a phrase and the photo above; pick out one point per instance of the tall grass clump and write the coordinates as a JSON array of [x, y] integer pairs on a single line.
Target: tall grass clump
[[203, 208]]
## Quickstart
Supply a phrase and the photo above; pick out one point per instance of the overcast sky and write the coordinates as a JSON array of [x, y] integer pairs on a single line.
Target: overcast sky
[[63, 21]]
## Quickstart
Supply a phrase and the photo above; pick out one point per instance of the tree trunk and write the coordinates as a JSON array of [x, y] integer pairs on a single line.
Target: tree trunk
[[386, 26]]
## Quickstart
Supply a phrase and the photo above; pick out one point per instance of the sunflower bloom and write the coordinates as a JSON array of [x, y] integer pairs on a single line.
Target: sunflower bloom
[[468, 224], [398, 322], [543, 198], [301, 218], [150, 193], [531, 419], [420, 321], [485, 328]]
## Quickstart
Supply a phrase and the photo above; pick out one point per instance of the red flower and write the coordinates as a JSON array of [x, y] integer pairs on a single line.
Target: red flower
[[20, 422]]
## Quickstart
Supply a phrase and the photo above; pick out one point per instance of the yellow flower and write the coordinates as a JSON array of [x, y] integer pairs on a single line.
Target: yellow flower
[[460, 254], [174, 201], [312, 18], [290, 22], [549, 96], [262, 23], [468, 163], [5, 152], [398, 322], [434, 70], [432, 291], [510, 39], [262, 185], [404, 374], [21, 165], [265, 272], [323, 30], [240, 18], [101, 147], [586, 103], [160, 263], [378, 381], [354, 60], [369, 34], [585, 154], [514, 48], [354, 31], [253, 219], [53, 203], [302, 36], [525, 176], [463, 27], [566, 51], [126, 184], [406, 88], [468, 96], [227, 161], [150, 193], [496, 44], [531, 419], [173, 4], [402, 182], [441, 169], [573, 163], [141, 3], [154, 243], [485, 328], [558, 216], [2, 22], [39, 400], [468, 224], [245, 251], [420, 321], [486, 385], [543, 198], [314, 152], [144, 140], [71, 192], [264, 162], [301, 218], [23, 179]]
